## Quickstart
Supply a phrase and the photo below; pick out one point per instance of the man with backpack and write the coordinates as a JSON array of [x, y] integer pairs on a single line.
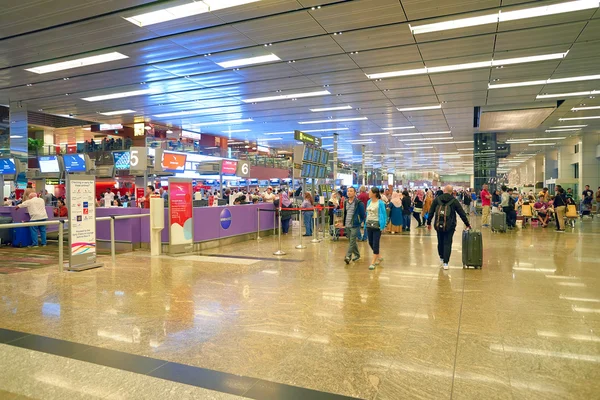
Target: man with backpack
[[445, 207], [509, 208]]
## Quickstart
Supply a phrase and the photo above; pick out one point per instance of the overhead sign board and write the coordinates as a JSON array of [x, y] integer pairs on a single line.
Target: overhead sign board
[[138, 160], [306, 138], [243, 169]]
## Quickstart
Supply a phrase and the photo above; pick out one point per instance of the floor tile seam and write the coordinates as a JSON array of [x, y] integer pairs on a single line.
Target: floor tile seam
[[457, 340]]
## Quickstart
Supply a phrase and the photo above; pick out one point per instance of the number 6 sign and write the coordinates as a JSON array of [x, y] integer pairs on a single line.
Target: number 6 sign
[[138, 160], [243, 169]]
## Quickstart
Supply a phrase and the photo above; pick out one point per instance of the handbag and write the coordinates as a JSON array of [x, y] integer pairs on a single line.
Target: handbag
[[373, 225]]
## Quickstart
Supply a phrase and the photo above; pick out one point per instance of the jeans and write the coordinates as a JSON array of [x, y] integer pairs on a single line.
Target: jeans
[[34, 233], [308, 222], [285, 225], [417, 216], [406, 222], [511, 218], [374, 235], [486, 215], [352, 247], [473, 208], [445, 245]]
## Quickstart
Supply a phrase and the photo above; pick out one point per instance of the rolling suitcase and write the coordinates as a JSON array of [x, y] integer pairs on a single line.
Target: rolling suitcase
[[472, 249], [21, 237], [5, 233], [499, 222]]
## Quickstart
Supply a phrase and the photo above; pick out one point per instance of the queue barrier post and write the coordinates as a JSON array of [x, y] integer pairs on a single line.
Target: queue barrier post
[[113, 251], [300, 219], [315, 238], [279, 252], [61, 260], [258, 224]]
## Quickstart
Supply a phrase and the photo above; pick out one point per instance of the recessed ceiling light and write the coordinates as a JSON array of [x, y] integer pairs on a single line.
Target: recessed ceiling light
[[120, 95], [236, 131], [357, 141], [572, 94], [421, 133], [440, 143], [324, 121], [233, 121], [79, 62], [118, 112], [541, 144], [474, 65], [578, 118], [398, 127], [563, 130], [424, 139], [586, 108], [331, 108], [503, 16], [249, 61], [545, 82], [375, 134], [568, 126], [279, 133], [287, 96], [420, 108], [182, 11]]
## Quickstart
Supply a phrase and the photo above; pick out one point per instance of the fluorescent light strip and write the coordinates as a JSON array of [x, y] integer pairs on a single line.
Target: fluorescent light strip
[[287, 96], [423, 147], [420, 108], [578, 118], [421, 133], [573, 94], [189, 112], [118, 112], [398, 127], [544, 82], [541, 144], [120, 95], [361, 141], [233, 121], [182, 11], [586, 108], [279, 133], [331, 108], [423, 139], [501, 16], [79, 62], [563, 130], [236, 131], [568, 126], [325, 121], [269, 139], [459, 67], [249, 61], [324, 130], [466, 149], [375, 134], [438, 143]]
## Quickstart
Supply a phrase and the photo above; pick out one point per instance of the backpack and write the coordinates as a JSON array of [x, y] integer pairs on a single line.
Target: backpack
[[511, 203], [445, 217]]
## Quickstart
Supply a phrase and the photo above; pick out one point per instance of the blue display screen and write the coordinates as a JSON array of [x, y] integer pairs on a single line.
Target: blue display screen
[[324, 157], [7, 166], [121, 159], [74, 162]]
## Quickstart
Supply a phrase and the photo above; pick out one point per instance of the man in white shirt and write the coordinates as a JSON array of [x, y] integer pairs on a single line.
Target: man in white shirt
[[36, 207], [109, 197], [269, 196]]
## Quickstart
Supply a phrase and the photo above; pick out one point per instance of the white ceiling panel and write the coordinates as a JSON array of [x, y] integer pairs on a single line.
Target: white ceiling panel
[[395, 55], [256, 10], [536, 37], [359, 14], [480, 46], [365, 39], [213, 39], [420, 9], [280, 28]]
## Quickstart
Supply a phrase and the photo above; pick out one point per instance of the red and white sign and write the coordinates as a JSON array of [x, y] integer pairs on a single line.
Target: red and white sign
[[180, 212], [229, 167]]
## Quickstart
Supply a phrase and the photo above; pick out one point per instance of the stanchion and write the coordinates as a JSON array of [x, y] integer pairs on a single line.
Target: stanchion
[[113, 252], [315, 238], [279, 252], [61, 259], [300, 246], [324, 223], [258, 224]]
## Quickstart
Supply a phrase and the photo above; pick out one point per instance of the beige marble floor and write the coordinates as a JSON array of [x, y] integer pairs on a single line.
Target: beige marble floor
[[526, 326]]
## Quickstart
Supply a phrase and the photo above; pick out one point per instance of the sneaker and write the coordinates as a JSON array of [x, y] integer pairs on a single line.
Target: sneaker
[[372, 267], [355, 259], [347, 260], [441, 262], [379, 261], [445, 266]]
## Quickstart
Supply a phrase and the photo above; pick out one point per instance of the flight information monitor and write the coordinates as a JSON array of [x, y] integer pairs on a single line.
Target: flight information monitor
[[122, 160], [7, 166], [74, 162], [48, 164]]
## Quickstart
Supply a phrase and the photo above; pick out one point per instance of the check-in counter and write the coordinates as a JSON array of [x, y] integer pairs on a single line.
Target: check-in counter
[[21, 215]]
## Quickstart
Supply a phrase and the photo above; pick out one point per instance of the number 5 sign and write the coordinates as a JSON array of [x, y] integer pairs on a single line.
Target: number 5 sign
[[243, 169], [138, 160]]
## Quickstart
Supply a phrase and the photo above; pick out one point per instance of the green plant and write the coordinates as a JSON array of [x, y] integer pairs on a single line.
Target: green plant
[[34, 144]]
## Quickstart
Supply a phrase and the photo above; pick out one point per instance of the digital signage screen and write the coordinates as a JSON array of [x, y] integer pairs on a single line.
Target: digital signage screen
[[308, 153], [305, 170], [121, 159], [254, 181], [321, 172], [275, 181], [316, 155], [7, 166], [324, 157], [48, 164], [229, 167], [74, 162], [173, 162]]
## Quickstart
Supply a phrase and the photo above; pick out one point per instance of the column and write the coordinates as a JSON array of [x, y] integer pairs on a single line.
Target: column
[[18, 129], [485, 161], [589, 170], [550, 165], [362, 171], [539, 171], [335, 157]]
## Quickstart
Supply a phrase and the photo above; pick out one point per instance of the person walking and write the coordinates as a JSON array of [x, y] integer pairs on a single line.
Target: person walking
[[308, 214], [427, 204], [444, 209], [406, 211], [36, 207], [363, 196], [466, 198], [418, 208], [354, 217], [486, 203], [376, 222], [396, 217], [560, 206]]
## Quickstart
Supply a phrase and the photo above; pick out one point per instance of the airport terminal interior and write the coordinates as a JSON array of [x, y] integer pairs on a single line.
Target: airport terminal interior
[[300, 199]]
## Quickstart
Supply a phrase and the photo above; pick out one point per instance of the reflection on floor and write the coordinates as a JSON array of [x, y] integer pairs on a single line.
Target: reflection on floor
[[525, 326]]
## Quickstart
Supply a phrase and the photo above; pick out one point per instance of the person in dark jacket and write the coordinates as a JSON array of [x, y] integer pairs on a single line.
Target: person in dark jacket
[[560, 206], [406, 206], [444, 208], [354, 217]]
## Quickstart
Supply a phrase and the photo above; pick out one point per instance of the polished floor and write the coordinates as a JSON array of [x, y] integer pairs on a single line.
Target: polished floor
[[238, 321]]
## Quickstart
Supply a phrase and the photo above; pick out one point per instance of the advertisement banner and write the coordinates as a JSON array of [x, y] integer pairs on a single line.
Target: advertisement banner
[[181, 221], [173, 162], [81, 196], [229, 167]]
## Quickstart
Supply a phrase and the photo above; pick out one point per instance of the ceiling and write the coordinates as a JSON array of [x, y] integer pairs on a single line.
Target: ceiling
[[329, 48]]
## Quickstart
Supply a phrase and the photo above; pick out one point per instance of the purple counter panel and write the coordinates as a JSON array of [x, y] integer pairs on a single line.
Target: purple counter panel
[[21, 215], [126, 230]]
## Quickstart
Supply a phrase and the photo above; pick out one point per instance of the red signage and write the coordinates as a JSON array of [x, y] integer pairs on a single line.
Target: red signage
[[173, 162], [229, 167], [180, 211]]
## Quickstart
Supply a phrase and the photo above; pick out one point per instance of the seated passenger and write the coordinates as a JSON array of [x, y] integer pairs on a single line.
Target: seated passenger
[[542, 211], [117, 203], [8, 202], [61, 209]]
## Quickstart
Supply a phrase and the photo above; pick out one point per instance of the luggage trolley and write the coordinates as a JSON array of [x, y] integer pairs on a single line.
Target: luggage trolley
[[585, 208], [337, 229], [571, 215]]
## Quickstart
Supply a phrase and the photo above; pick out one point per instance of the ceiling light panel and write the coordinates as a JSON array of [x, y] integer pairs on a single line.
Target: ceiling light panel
[[568, 126], [324, 130], [578, 118], [120, 95], [287, 96], [230, 122], [503, 16], [563, 130], [236, 131], [420, 108], [325, 121], [585, 108], [423, 139], [375, 134], [398, 128], [118, 112], [544, 82], [331, 109], [249, 61], [572, 94], [77, 63]]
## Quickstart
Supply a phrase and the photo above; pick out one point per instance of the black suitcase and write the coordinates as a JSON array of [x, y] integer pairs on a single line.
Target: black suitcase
[[472, 249], [499, 222], [5, 233]]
